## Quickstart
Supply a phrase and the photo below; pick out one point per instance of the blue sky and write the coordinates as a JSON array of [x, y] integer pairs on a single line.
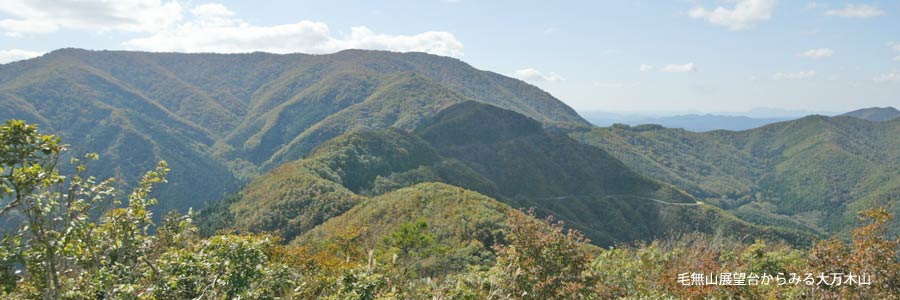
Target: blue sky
[[661, 55]]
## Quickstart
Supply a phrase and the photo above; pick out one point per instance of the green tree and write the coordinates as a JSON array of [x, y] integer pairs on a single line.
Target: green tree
[[411, 239], [53, 213], [65, 253], [544, 261]]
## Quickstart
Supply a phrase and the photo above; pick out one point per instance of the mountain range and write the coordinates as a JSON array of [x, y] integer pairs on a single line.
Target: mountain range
[[497, 153], [296, 143], [221, 119], [875, 114], [692, 122], [815, 172]]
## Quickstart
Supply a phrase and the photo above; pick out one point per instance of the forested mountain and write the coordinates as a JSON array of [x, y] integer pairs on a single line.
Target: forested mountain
[[815, 172], [499, 153], [219, 119], [875, 114], [427, 240], [465, 225]]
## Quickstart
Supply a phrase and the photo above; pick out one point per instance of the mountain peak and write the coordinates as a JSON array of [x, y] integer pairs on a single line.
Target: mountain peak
[[473, 122], [875, 114]]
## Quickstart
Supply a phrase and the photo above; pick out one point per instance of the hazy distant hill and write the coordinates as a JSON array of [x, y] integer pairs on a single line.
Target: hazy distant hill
[[692, 122], [875, 114], [814, 172], [218, 118]]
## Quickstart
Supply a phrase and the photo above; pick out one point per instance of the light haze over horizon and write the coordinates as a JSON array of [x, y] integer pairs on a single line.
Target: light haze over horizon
[[690, 56]]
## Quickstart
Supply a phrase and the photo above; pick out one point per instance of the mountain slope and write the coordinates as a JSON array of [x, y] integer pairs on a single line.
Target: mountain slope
[[220, 119], [496, 152], [875, 114], [466, 223], [815, 172]]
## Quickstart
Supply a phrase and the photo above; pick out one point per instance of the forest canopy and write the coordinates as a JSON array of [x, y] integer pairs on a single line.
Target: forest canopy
[[76, 239]]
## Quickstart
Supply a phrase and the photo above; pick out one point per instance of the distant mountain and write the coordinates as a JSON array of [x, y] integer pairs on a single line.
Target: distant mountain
[[875, 114], [220, 119], [772, 112], [498, 153], [814, 172], [691, 122]]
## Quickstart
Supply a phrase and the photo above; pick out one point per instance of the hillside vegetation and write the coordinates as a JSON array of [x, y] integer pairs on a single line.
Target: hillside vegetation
[[875, 114], [815, 172], [221, 119], [498, 153], [76, 239]]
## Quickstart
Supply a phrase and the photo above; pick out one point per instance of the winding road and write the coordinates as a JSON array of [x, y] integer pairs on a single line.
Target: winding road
[[698, 203]]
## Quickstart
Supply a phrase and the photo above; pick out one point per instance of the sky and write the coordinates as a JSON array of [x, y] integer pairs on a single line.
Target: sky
[[626, 55]]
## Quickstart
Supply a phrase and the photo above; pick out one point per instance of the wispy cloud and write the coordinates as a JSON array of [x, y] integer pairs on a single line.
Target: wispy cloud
[[896, 47], [646, 68], [211, 27], [794, 76], [688, 67], [28, 17], [856, 11], [744, 14], [212, 11], [885, 78], [304, 36], [532, 75], [817, 53], [11, 55]]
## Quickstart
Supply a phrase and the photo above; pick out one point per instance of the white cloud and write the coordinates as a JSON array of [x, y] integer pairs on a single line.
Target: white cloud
[[794, 76], [646, 68], [211, 11], [11, 55], [856, 11], [742, 16], [817, 53], [532, 75], [33, 16], [688, 67], [213, 29], [894, 46], [304, 36], [885, 78]]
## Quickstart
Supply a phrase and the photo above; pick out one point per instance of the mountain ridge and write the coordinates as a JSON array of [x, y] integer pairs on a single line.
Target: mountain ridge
[[510, 158], [875, 114], [814, 172], [241, 114]]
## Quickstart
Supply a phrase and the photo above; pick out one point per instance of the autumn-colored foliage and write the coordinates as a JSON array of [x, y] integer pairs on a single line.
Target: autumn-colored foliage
[[68, 246]]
